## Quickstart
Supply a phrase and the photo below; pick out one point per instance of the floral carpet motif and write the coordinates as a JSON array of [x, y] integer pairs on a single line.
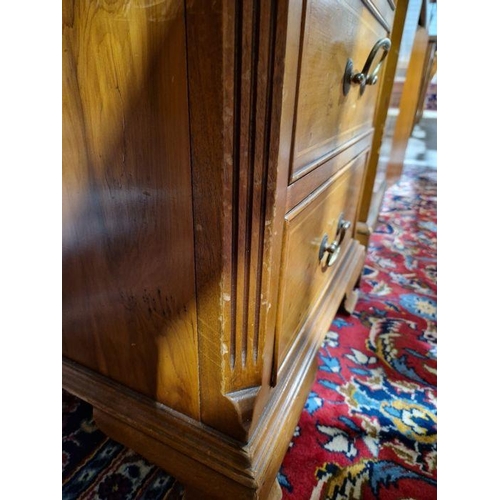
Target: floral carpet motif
[[97, 468], [369, 427]]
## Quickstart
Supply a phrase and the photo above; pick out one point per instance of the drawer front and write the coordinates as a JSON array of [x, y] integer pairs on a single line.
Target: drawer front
[[325, 118], [382, 10], [304, 276]]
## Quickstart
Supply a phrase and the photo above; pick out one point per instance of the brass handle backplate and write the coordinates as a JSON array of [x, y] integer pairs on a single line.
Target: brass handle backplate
[[333, 249], [363, 78]]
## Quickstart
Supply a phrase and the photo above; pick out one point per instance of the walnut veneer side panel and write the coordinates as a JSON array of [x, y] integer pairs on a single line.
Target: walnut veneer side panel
[[129, 309], [241, 75]]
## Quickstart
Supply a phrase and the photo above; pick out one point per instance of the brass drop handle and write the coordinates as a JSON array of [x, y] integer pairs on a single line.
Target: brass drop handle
[[333, 249], [362, 78]]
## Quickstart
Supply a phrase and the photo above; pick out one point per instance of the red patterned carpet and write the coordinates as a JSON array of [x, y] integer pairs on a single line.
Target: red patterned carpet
[[369, 428]]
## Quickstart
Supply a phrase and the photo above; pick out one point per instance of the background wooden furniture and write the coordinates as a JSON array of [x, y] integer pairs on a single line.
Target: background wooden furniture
[[213, 167], [408, 106], [414, 90], [428, 73], [375, 183], [404, 89]]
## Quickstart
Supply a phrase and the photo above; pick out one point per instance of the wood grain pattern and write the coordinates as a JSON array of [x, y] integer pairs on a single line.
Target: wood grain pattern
[[199, 216], [129, 308], [182, 445], [312, 334], [232, 90], [304, 277], [206, 482], [251, 134], [325, 118], [301, 188], [382, 10]]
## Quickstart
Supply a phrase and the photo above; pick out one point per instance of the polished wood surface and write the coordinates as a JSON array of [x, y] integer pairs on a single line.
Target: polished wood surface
[[199, 456], [304, 277], [408, 105], [197, 112], [373, 191], [382, 10], [312, 334], [303, 187], [236, 55], [129, 309], [326, 119]]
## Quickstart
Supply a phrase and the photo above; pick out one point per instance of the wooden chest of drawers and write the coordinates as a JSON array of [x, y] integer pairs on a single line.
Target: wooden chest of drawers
[[214, 156]]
